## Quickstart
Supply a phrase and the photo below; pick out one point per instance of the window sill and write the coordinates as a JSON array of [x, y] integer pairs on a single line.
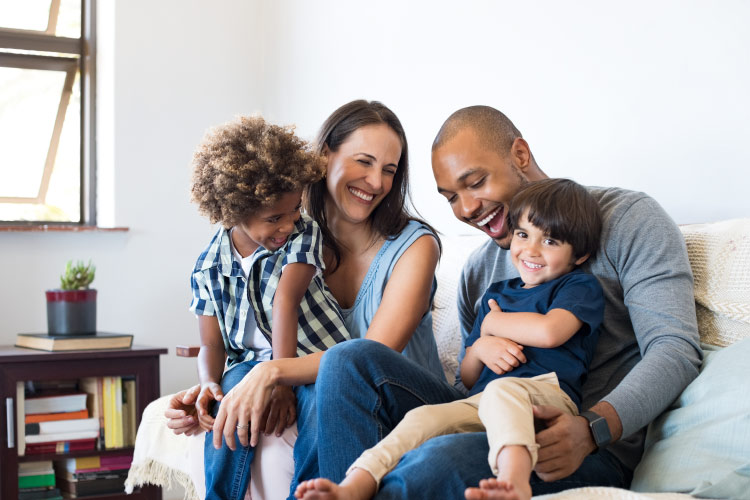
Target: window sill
[[56, 228]]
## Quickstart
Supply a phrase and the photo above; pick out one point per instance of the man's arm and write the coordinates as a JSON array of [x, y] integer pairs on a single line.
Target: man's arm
[[657, 286]]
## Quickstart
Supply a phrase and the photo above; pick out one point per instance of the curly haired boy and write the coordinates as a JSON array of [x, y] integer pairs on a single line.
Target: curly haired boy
[[258, 289]]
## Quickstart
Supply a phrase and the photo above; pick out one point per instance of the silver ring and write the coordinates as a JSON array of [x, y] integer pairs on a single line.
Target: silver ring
[[243, 426]]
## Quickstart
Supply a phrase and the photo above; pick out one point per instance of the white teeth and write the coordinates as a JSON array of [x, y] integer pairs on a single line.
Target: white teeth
[[361, 194], [488, 218], [532, 265]]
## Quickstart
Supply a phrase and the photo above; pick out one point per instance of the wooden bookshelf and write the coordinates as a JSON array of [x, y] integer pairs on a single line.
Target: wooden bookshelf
[[19, 364]]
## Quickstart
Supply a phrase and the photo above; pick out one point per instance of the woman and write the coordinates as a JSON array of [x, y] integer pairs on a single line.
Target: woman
[[380, 265]]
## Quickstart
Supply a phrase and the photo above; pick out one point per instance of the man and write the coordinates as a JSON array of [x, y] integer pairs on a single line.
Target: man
[[647, 353]]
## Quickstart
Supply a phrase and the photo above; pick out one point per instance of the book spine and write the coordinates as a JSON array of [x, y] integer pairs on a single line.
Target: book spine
[[119, 436], [20, 418], [48, 417], [108, 406], [60, 447], [36, 481]]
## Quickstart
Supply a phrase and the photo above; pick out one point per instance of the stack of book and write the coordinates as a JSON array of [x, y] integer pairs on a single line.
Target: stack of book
[[36, 481], [86, 476], [112, 400], [58, 423]]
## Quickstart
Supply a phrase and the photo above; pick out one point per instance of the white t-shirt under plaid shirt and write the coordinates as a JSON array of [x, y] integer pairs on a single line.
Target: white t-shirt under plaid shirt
[[220, 289]]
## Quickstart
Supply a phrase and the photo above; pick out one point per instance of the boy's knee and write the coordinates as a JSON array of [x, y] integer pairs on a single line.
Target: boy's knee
[[507, 384]]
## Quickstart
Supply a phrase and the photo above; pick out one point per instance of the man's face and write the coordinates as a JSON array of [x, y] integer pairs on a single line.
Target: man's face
[[478, 183]]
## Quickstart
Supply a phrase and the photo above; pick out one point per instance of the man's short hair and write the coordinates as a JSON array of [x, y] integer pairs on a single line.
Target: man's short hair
[[563, 209], [494, 129]]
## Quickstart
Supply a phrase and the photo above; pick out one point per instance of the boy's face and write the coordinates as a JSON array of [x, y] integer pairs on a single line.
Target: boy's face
[[538, 257], [270, 226]]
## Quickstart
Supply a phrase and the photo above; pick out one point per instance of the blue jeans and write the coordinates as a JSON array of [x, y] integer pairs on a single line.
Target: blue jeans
[[363, 390], [445, 466], [227, 471]]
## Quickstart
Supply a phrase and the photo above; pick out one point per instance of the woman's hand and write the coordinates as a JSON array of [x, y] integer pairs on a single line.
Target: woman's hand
[[181, 413], [210, 392], [281, 411], [243, 407]]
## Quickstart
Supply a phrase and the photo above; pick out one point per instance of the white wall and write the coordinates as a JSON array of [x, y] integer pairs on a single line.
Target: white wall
[[645, 95], [172, 69]]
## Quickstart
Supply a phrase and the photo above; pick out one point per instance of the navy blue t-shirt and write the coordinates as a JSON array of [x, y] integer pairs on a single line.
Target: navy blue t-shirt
[[576, 292]]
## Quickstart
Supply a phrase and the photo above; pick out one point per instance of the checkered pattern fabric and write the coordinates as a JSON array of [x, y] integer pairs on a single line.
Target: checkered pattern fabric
[[320, 323], [220, 289]]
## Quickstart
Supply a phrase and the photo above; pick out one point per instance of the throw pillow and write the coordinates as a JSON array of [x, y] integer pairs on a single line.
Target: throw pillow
[[720, 259], [700, 444]]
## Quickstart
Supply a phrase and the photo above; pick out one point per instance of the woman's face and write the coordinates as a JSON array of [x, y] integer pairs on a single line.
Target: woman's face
[[360, 173]]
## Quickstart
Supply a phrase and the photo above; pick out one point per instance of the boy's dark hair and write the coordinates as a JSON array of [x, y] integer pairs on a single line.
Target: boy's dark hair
[[247, 164], [564, 210]]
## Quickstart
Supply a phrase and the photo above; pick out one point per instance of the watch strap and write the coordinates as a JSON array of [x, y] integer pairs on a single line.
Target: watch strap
[[599, 429]]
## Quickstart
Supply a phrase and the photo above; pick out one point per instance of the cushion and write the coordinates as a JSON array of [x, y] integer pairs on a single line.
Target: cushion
[[604, 492], [720, 258], [701, 444], [445, 324]]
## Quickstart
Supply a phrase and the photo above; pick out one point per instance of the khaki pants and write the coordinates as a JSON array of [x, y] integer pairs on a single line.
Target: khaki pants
[[503, 409]]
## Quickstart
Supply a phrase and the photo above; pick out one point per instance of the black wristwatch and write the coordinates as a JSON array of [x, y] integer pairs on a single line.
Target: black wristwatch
[[599, 429]]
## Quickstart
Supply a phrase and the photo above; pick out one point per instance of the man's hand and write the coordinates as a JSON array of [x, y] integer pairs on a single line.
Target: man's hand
[[564, 444], [499, 354], [181, 413], [281, 411]]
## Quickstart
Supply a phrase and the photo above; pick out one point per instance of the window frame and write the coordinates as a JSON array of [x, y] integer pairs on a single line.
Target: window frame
[[85, 48]]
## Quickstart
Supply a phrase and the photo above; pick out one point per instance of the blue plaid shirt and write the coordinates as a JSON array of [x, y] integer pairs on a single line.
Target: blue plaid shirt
[[220, 289]]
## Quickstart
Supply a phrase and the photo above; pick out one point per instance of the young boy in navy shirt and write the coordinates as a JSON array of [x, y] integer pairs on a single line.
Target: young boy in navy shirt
[[549, 319]]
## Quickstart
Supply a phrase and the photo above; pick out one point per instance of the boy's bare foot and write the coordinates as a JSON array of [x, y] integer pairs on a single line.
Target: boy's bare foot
[[493, 489], [318, 489], [357, 485]]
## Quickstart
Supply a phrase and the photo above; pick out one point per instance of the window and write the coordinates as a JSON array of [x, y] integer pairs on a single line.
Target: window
[[46, 112]]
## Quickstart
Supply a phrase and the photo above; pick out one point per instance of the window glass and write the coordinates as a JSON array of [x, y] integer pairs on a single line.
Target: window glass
[[41, 167], [69, 19], [25, 14]]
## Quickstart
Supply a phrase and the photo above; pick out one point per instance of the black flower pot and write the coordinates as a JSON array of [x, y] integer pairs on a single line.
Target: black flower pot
[[71, 312]]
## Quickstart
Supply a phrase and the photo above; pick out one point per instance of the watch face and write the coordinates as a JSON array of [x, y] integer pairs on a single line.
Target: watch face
[[600, 429]]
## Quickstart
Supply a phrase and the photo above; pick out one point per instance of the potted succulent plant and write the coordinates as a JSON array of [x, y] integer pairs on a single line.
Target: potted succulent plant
[[71, 310]]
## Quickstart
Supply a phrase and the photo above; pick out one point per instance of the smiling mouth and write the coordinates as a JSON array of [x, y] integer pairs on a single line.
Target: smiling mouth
[[489, 217], [531, 265], [362, 195]]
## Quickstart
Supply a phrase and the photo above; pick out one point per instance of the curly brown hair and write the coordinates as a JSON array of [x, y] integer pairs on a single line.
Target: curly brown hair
[[247, 164]]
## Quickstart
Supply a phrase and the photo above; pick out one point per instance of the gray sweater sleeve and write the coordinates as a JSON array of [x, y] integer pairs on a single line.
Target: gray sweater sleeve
[[649, 255]]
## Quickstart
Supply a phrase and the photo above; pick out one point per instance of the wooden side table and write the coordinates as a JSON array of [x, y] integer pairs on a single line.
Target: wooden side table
[[19, 364]]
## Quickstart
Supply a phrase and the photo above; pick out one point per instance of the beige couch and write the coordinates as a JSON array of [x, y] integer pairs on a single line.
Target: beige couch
[[700, 445]]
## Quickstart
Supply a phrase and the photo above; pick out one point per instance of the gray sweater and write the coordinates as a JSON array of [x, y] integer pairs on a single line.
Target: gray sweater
[[648, 349]]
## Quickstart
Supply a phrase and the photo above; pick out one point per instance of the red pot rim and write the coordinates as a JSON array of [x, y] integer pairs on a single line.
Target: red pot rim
[[71, 295]]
